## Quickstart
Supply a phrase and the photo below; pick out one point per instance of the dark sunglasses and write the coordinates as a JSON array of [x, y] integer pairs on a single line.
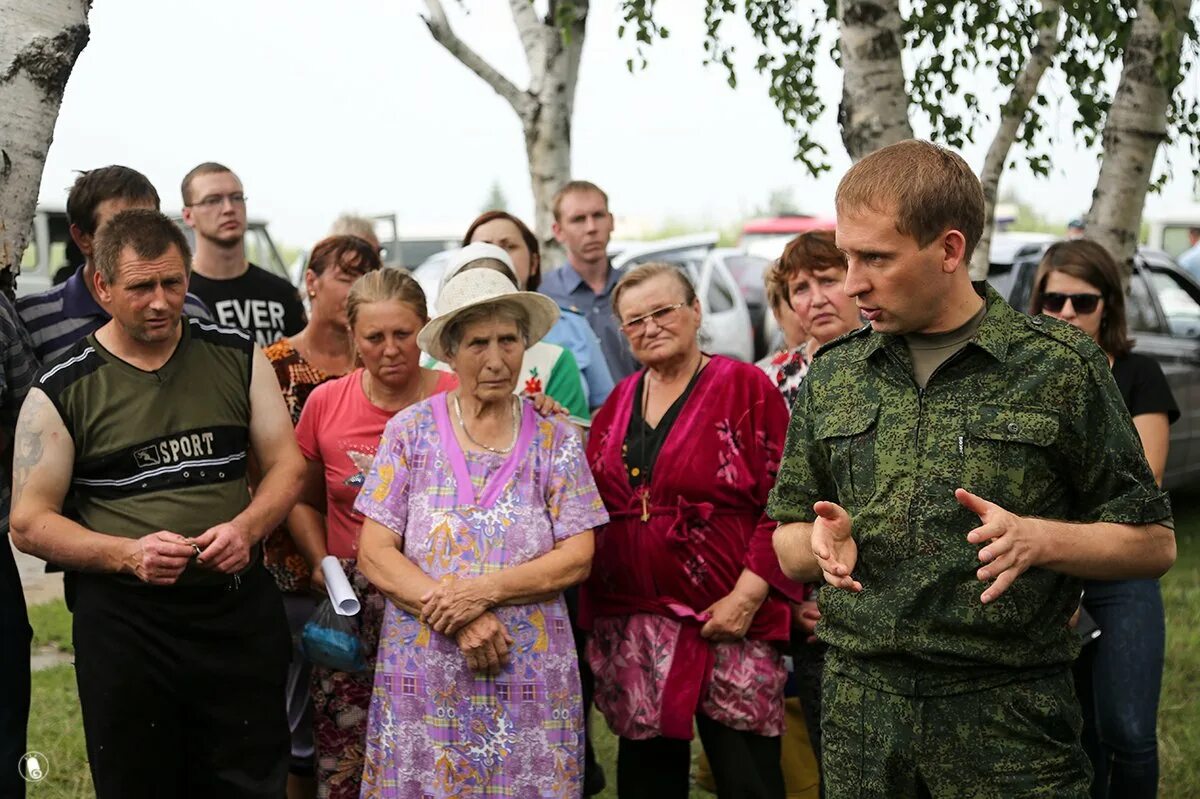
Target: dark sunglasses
[[1083, 304]]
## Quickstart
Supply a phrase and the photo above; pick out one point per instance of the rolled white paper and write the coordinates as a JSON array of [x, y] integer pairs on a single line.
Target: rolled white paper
[[340, 593]]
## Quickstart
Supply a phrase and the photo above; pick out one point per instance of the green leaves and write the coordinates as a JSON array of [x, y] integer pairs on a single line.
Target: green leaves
[[954, 47]]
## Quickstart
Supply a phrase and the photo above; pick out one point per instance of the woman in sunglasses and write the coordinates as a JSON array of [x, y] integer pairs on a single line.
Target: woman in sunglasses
[[1117, 678]]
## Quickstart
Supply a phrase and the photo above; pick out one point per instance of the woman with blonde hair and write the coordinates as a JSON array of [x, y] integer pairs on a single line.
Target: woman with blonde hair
[[338, 432], [320, 352]]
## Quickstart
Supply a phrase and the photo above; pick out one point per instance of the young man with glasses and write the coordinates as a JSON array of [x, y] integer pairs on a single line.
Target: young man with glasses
[[240, 294]]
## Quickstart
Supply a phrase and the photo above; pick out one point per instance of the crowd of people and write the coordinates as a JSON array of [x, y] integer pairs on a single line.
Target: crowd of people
[[544, 493]]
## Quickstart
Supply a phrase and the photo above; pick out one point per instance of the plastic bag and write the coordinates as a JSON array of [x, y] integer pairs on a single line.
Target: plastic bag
[[331, 640]]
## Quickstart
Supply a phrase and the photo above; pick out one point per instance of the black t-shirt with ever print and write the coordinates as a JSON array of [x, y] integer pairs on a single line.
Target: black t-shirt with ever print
[[263, 304]]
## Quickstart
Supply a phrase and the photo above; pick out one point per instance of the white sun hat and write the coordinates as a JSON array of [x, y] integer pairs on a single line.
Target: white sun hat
[[477, 251], [483, 287]]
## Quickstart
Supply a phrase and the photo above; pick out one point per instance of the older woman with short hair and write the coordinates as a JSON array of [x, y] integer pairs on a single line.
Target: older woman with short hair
[[545, 368], [571, 330], [479, 514], [686, 628]]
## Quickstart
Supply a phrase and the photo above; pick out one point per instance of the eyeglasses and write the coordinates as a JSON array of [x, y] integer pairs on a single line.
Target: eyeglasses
[[218, 200], [662, 317], [1083, 304]]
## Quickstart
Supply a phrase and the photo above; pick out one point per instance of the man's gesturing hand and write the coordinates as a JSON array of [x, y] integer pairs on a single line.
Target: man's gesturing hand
[[159, 558], [226, 548], [1014, 544], [835, 550]]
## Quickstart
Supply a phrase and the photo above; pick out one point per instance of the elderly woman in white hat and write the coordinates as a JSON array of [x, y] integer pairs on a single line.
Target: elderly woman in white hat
[[545, 368], [479, 513]]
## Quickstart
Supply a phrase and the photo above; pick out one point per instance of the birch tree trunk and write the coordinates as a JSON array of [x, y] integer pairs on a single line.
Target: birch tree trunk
[[1135, 125], [553, 47], [874, 108], [39, 43], [1012, 113]]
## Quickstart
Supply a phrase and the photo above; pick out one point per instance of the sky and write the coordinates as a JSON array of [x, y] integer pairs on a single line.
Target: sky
[[324, 107]]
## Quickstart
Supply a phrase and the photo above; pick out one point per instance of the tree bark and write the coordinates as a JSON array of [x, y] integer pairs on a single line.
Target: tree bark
[[874, 108], [553, 47], [1012, 113], [1135, 125], [39, 44]]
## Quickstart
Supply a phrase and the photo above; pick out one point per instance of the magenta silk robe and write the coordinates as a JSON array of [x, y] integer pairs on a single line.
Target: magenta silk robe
[[673, 548]]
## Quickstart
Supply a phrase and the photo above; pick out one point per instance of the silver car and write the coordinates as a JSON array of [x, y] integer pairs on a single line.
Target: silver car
[[727, 328]]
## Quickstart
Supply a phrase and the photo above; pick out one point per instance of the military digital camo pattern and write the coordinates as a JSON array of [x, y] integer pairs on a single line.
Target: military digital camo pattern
[[1017, 741], [1026, 416]]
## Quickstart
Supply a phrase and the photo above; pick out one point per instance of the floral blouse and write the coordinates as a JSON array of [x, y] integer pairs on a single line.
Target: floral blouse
[[787, 369]]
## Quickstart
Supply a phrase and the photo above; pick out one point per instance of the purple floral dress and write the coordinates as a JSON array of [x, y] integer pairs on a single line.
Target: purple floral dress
[[436, 729]]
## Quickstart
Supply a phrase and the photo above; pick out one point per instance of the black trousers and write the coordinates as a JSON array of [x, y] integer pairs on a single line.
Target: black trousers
[[182, 688], [587, 681], [744, 765], [15, 637]]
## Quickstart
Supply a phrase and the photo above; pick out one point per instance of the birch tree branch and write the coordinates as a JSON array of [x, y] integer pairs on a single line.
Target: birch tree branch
[[532, 33], [1012, 113], [443, 34]]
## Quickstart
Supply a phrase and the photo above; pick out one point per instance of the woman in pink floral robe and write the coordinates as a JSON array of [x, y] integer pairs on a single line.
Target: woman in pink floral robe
[[684, 598]]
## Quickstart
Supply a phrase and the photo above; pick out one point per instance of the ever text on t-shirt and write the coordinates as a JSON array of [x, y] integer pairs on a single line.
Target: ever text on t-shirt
[[262, 304]]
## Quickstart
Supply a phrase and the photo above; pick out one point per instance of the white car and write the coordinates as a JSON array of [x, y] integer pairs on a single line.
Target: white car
[[726, 329]]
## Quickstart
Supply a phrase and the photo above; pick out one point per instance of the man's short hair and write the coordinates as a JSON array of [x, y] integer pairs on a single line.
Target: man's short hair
[[207, 168], [575, 187], [148, 233], [1195, 231], [106, 183], [928, 189]]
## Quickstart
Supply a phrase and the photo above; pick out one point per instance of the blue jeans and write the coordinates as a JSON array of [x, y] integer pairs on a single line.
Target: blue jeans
[[1117, 679]]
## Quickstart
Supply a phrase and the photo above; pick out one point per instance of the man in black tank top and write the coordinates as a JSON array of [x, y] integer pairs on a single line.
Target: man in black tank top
[[180, 639]]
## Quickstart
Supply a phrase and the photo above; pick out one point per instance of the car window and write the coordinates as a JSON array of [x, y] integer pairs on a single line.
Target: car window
[[1175, 239], [1023, 273], [1139, 308], [260, 250], [1180, 307], [720, 294], [747, 269]]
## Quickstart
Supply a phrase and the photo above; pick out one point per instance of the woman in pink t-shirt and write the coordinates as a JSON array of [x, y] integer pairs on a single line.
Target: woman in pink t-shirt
[[338, 432]]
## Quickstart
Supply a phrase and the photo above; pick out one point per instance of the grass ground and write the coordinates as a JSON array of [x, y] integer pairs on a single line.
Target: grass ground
[[55, 728]]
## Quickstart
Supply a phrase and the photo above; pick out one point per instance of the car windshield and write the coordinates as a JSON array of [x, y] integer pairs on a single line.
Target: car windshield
[[748, 271], [1179, 307]]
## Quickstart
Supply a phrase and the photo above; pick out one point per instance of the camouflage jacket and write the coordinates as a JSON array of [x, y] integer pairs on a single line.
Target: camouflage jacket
[[1028, 416]]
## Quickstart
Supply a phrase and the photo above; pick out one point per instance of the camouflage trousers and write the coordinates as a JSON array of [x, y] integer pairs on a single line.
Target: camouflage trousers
[[1018, 740]]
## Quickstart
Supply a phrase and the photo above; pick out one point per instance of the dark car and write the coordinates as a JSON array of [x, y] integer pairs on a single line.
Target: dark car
[[1163, 306]]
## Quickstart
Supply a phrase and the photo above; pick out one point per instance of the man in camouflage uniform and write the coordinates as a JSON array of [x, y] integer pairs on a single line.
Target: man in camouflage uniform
[[927, 453]]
